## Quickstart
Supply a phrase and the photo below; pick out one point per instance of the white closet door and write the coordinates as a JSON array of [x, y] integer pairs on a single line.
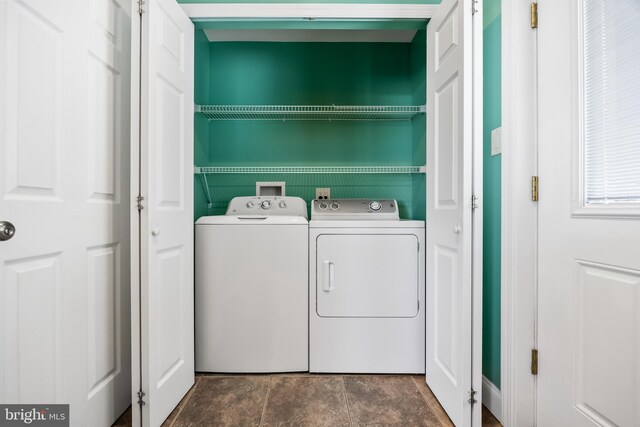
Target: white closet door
[[64, 184], [449, 213], [164, 301]]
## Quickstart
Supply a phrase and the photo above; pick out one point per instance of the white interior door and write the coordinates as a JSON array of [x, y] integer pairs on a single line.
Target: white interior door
[[163, 304], [449, 209], [64, 184], [589, 214]]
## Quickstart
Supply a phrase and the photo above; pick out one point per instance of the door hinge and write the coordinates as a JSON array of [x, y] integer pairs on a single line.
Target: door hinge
[[472, 397], [534, 15], [474, 201], [534, 188], [140, 396], [474, 7], [139, 200], [534, 361], [140, 9]]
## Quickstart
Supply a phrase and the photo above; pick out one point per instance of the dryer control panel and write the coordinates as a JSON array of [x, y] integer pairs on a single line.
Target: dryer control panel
[[354, 209]]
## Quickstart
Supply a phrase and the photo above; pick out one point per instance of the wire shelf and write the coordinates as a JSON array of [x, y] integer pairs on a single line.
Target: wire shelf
[[311, 112], [310, 169]]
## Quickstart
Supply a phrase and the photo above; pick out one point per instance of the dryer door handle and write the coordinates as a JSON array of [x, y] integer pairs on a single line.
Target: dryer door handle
[[329, 276]]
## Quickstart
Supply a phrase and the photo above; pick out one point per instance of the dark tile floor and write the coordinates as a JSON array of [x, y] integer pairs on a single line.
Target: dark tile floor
[[288, 400]]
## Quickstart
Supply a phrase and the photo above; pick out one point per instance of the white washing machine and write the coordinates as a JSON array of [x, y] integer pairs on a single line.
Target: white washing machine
[[251, 289], [367, 288]]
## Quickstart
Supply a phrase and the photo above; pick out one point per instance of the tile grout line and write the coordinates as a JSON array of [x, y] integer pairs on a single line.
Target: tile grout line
[[346, 399], [435, 411], [266, 400], [191, 392]]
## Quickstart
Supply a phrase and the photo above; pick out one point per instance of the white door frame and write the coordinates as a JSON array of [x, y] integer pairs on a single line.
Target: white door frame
[[519, 214], [392, 11]]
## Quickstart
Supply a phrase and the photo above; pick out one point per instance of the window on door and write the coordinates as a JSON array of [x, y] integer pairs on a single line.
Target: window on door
[[611, 102]]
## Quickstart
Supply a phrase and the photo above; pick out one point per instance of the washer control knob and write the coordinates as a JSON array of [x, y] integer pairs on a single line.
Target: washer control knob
[[249, 205], [335, 205], [282, 205], [375, 206], [322, 205], [265, 204]]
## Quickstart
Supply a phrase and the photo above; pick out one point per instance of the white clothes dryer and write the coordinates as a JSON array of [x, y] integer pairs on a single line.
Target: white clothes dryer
[[251, 289], [367, 288]]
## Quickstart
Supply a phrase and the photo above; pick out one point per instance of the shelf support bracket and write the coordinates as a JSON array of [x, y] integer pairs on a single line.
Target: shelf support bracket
[[205, 183]]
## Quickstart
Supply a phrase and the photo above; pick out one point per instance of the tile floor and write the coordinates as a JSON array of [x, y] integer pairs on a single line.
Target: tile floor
[[309, 400]]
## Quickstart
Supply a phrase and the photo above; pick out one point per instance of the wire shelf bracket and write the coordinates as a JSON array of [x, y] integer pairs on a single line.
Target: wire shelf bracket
[[205, 184]]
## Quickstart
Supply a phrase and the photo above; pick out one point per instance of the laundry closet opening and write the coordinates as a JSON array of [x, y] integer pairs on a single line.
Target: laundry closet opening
[[313, 103]]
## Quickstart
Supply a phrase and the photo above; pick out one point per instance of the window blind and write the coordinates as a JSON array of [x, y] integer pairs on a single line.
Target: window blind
[[611, 101]]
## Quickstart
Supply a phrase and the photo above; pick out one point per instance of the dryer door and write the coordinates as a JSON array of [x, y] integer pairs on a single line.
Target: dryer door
[[364, 275]]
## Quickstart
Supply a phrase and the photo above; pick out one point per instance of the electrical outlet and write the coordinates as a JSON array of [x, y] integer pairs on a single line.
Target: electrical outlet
[[323, 193]]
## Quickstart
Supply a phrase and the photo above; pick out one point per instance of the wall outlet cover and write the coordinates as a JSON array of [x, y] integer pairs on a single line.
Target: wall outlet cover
[[496, 141], [323, 193]]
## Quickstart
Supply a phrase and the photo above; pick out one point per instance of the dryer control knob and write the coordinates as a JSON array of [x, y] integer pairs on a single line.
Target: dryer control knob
[[375, 206], [265, 204], [335, 205], [282, 205], [322, 205], [249, 204]]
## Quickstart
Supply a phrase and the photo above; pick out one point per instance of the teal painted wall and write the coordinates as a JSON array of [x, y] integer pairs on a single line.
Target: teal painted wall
[[314, 74], [491, 187]]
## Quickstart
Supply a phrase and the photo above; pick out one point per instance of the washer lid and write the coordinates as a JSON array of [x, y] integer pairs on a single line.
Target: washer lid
[[251, 220]]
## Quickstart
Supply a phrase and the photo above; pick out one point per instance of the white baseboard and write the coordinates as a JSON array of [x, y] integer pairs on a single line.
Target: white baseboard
[[492, 398]]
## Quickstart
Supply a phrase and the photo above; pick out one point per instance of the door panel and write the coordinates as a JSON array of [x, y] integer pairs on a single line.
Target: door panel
[[170, 137], [608, 299], [449, 233], [367, 275], [33, 102], [64, 121], [588, 263], [104, 314], [446, 166], [32, 331], [445, 350], [165, 308]]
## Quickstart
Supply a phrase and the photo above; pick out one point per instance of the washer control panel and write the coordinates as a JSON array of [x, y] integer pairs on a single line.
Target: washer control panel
[[267, 206], [354, 209]]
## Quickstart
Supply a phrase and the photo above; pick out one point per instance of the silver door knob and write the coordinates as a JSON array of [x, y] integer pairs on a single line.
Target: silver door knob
[[7, 230], [457, 229], [155, 231]]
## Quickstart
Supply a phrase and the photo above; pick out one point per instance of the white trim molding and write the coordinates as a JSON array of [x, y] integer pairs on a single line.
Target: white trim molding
[[309, 10], [492, 398], [519, 214]]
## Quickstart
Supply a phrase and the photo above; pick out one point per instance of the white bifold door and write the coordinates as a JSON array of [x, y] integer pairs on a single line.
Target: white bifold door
[[64, 185], [451, 318], [162, 165]]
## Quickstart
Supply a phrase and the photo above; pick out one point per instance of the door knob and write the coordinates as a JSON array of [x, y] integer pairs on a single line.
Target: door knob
[[7, 230], [457, 229], [155, 231]]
